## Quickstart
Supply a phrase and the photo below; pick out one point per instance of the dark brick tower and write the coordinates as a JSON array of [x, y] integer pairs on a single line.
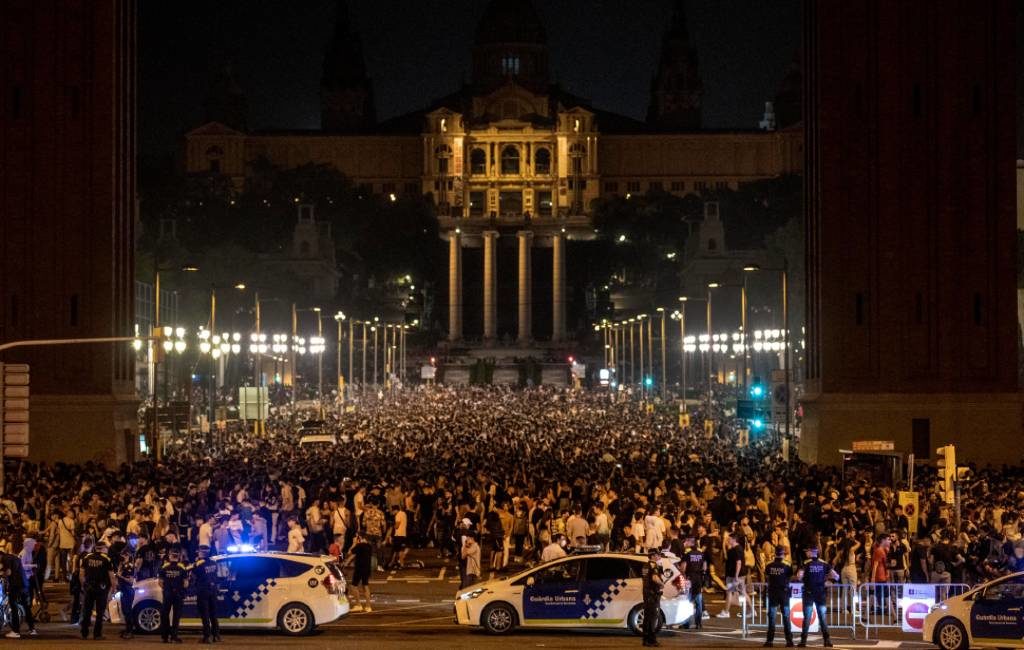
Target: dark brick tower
[[676, 90], [346, 94]]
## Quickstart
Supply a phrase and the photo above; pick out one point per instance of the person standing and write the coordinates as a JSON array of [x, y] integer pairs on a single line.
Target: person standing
[[17, 592], [296, 540], [779, 574], [813, 574], [735, 570], [361, 556], [203, 574], [126, 567], [695, 565], [654, 584], [173, 582], [96, 575], [471, 556]]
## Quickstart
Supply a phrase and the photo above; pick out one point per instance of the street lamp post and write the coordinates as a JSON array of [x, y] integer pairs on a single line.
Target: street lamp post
[[711, 358], [363, 384], [682, 344], [640, 320], [632, 361], [320, 361], [339, 318], [351, 350], [786, 354], [295, 337], [375, 339], [664, 379], [650, 347]]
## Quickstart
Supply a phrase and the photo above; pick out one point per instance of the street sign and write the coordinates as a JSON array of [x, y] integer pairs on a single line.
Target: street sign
[[874, 445], [796, 609], [253, 403], [915, 603], [910, 509], [14, 409]]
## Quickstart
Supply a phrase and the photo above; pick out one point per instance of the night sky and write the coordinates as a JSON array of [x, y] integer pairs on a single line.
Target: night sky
[[419, 50]]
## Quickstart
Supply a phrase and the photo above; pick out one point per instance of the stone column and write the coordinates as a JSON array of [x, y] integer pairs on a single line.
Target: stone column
[[525, 333], [455, 286], [490, 286], [558, 288]]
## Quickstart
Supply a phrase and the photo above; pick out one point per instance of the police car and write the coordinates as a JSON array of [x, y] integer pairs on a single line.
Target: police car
[[602, 590], [990, 615], [292, 592]]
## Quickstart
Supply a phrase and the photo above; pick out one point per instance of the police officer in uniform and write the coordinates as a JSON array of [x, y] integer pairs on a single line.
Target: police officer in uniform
[[813, 574], [654, 584], [126, 566], [695, 565], [203, 576], [96, 575], [173, 581], [779, 575]]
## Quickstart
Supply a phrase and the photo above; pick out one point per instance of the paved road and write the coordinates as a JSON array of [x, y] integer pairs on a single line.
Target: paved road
[[413, 610]]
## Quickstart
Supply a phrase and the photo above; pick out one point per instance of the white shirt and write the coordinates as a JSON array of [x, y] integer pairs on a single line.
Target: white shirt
[[653, 533], [295, 540], [401, 523], [552, 551]]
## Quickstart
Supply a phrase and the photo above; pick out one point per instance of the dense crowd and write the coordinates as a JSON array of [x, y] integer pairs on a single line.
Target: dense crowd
[[519, 471]]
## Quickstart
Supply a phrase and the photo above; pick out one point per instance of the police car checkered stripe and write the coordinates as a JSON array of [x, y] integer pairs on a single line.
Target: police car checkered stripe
[[254, 598], [598, 606]]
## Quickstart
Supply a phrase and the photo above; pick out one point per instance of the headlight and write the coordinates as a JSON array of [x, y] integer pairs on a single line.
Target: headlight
[[470, 595]]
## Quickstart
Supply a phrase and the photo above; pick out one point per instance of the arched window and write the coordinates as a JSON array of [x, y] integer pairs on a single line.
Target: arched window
[[510, 160], [510, 65], [478, 161], [542, 161], [443, 153]]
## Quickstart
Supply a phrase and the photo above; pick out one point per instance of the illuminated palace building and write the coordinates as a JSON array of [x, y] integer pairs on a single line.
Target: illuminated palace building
[[510, 160]]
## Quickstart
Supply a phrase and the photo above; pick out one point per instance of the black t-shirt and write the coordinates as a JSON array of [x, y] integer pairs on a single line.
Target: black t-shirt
[[734, 558], [779, 576], [695, 560], [173, 575], [363, 555], [97, 567], [918, 555]]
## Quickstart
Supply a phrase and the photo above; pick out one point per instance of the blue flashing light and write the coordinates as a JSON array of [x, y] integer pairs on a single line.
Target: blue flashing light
[[241, 548]]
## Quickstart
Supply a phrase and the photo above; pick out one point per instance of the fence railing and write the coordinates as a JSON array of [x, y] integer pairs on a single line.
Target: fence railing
[[900, 605], [840, 603], [870, 606]]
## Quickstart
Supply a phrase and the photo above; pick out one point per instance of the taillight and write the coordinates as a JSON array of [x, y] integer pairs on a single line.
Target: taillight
[[331, 584]]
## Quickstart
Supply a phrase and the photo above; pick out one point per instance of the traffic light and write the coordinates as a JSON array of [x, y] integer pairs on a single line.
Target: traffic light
[[648, 381], [14, 387], [757, 424], [947, 470], [757, 389]]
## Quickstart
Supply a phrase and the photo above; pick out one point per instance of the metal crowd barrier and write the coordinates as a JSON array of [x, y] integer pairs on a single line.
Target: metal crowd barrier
[[841, 605], [899, 605]]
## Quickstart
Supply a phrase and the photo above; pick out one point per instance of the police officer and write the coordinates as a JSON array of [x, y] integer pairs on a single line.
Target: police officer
[[173, 582], [203, 576], [813, 574], [654, 584], [126, 567], [695, 565], [96, 574], [779, 575]]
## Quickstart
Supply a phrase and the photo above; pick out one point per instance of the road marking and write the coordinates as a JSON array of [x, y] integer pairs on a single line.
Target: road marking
[[440, 574], [408, 600]]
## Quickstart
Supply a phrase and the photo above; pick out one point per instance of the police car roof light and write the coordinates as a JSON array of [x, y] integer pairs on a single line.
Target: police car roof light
[[241, 548]]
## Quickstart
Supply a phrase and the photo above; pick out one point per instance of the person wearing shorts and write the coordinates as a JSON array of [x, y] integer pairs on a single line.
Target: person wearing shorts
[[360, 555]]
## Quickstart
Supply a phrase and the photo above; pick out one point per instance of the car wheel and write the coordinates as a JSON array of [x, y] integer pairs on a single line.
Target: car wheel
[[635, 620], [148, 617], [951, 635], [498, 618], [295, 619]]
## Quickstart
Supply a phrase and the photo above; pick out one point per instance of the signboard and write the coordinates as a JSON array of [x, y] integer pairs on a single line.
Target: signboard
[[604, 376], [874, 445], [578, 370], [911, 509], [14, 409], [916, 602], [253, 403], [796, 609], [427, 372]]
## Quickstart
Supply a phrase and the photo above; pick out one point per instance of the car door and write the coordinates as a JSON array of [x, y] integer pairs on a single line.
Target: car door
[[997, 614], [610, 588], [245, 582], [551, 594]]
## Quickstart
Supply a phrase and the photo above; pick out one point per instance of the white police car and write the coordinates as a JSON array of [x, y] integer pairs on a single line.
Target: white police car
[[989, 616], [292, 592], [603, 590]]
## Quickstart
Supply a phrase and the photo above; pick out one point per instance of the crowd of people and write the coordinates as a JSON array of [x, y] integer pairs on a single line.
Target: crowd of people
[[516, 471]]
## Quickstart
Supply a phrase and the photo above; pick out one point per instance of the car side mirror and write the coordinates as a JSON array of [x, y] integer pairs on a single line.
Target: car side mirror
[[531, 581]]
